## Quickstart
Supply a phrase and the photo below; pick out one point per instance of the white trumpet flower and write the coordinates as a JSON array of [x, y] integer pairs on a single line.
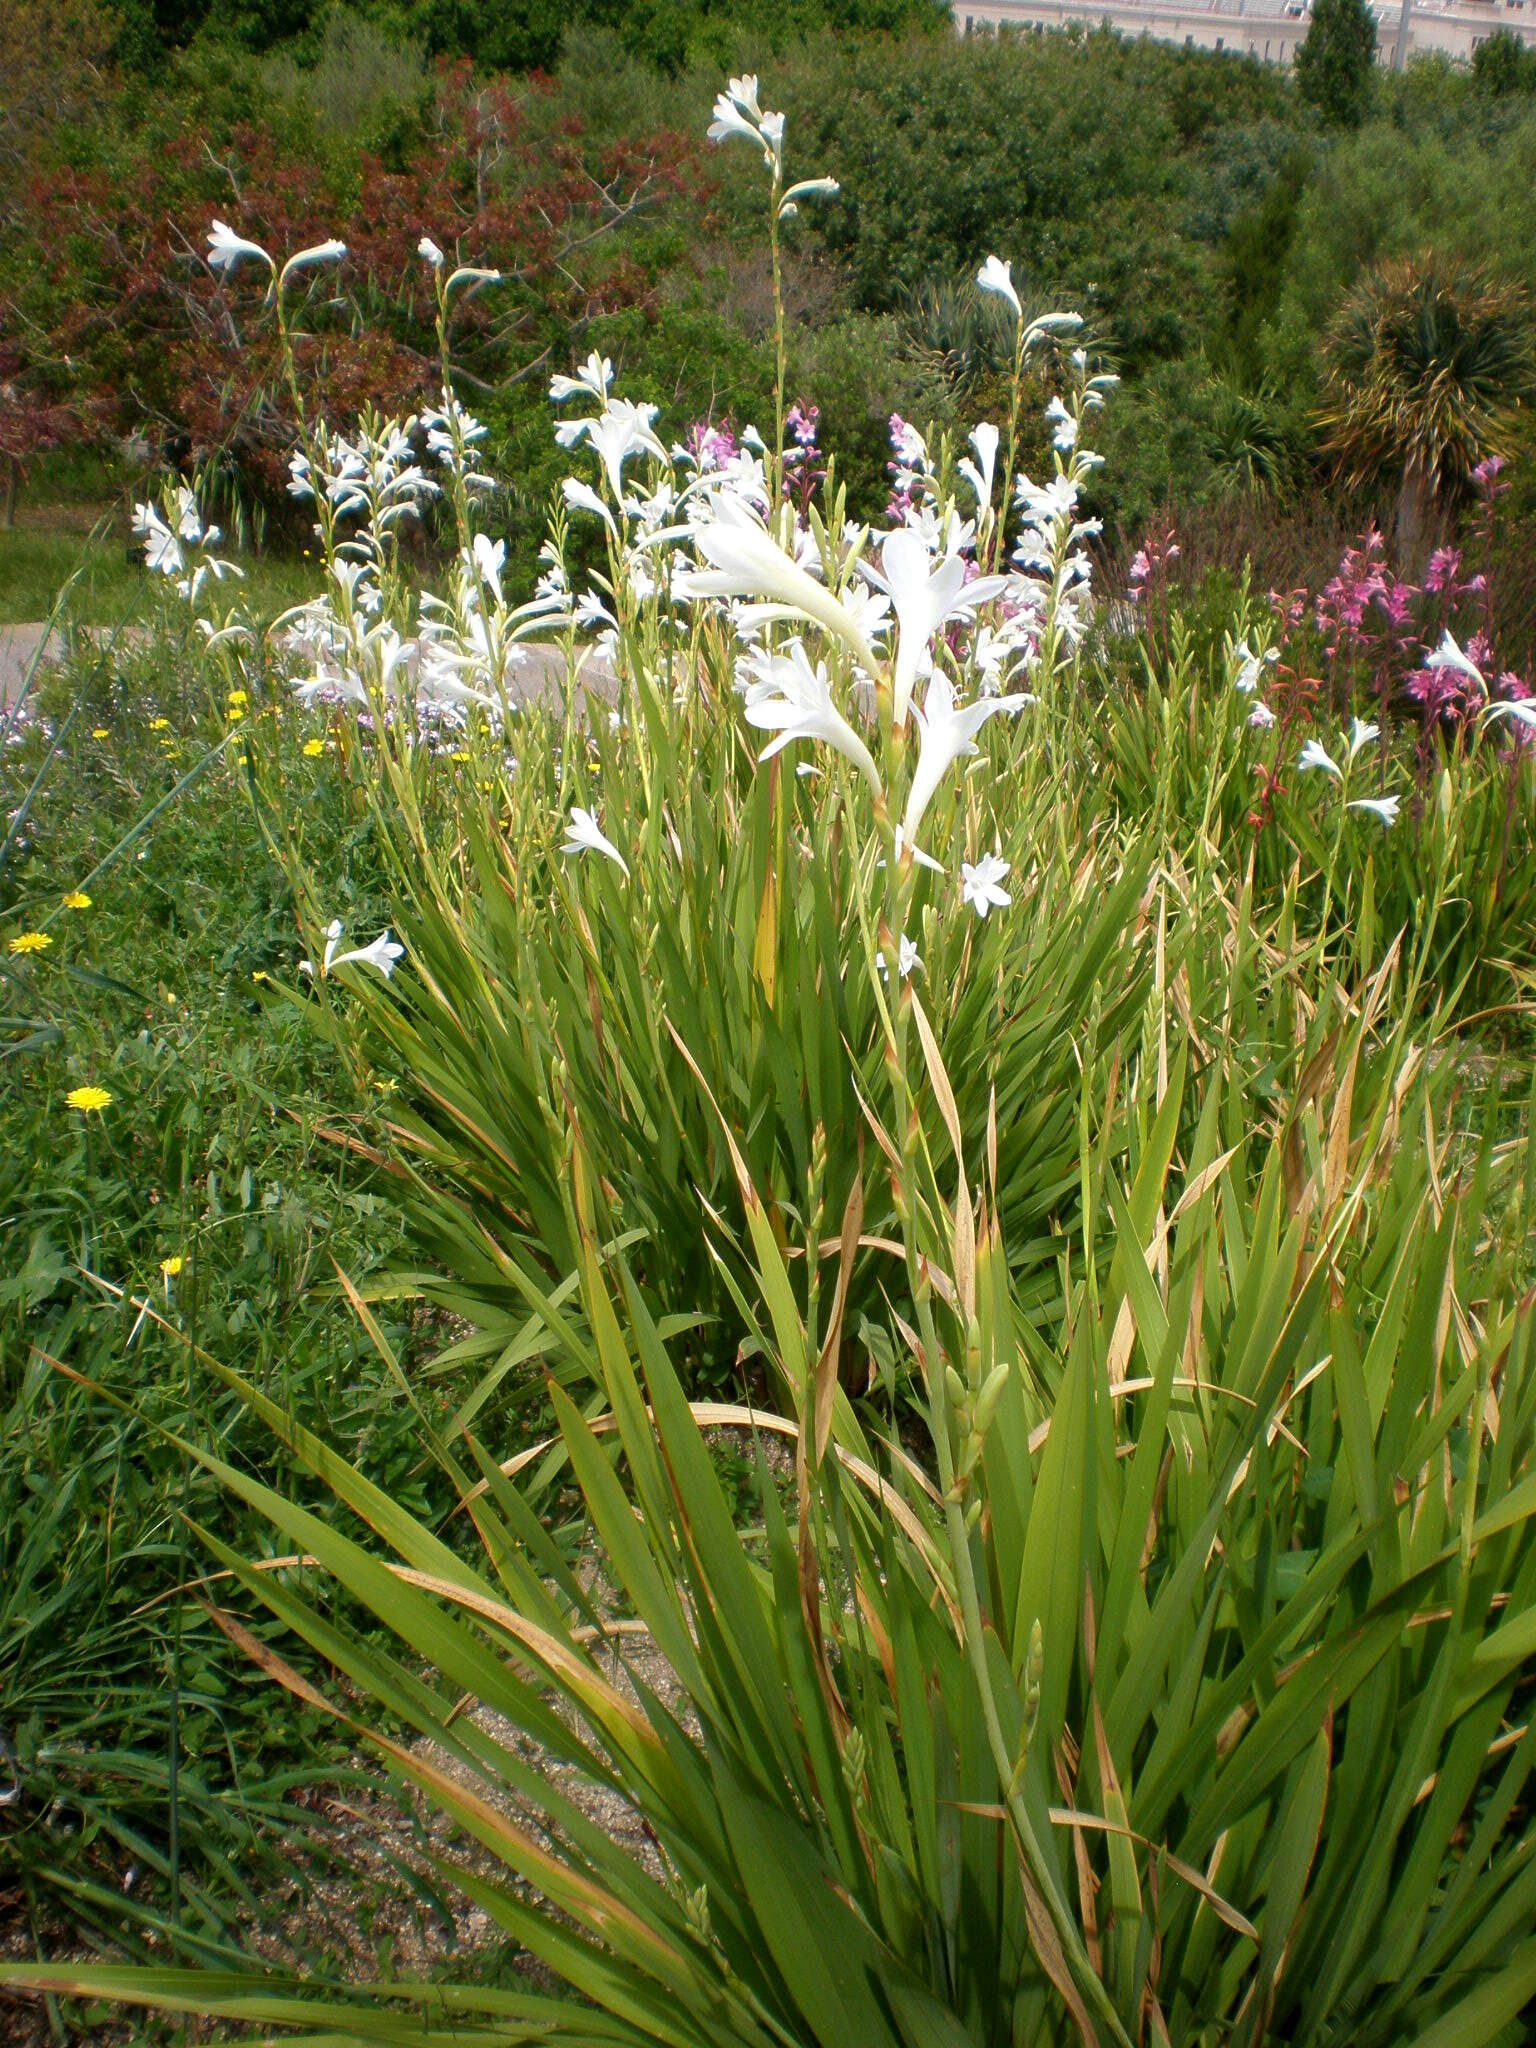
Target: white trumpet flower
[[591, 380], [582, 498], [1250, 667], [1521, 710], [307, 259], [729, 120], [1360, 736], [787, 696], [584, 835], [382, 953], [1450, 655], [997, 276], [623, 431], [1383, 807], [1315, 755], [227, 250], [162, 550], [747, 562], [947, 733], [979, 474], [1063, 426], [924, 599]]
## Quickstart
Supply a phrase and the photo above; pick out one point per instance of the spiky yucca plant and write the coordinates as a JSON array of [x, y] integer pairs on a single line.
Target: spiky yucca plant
[[1422, 367]]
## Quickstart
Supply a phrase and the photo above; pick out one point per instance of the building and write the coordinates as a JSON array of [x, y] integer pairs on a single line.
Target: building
[[1266, 29]]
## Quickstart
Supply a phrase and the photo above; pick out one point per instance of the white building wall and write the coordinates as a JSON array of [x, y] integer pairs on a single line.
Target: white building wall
[[1267, 29]]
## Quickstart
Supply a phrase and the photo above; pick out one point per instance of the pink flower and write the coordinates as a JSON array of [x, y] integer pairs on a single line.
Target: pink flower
[[1443, 565], [711, 446], [801, 421]]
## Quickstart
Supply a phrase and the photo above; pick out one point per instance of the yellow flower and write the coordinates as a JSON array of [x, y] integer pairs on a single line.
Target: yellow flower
[[460, 754], [89, 1099], [158, 724], [31, 942], [237, 697], [260, 974], [234, 713], [313, 748], [77, 900], [99, 732], [172, 1266]]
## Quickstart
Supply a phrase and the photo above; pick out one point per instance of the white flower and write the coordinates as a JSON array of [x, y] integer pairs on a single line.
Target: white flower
[[808, 188], [1063, 426], [1449, 655], [984, 440], [593, 378], [306, 259], [746, 561], [979, 884], [582, 498], [382, 953], [227, 250], [1383, 807], [908, 957], [623, 430], [428, 250], [997, 276], [1361, 735], [1315, 755], [1521, 710], [1250, 666], [743, 91], [923, 599], [947, 734], [729, 120], [583, 835], [785, 695], [488, 556], [773, 140], [1261, 716], [162, 551]]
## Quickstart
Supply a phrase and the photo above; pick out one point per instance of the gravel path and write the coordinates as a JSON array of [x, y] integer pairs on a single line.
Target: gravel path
[[539, 680]]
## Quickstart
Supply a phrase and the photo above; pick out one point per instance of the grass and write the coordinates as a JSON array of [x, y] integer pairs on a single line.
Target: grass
[[119, 1702], [52, 538]]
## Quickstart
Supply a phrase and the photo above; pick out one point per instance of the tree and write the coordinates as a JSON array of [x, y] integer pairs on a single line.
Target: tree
[[1502, 64], [1336, 64], [1423, 368]]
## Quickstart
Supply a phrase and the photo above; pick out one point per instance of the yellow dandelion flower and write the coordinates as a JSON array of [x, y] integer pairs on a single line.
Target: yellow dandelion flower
[[237, 697], [31, 942], [89, 1099], [172, 1266], [99, 732], [77, 900], [158, 724], [313, 749]]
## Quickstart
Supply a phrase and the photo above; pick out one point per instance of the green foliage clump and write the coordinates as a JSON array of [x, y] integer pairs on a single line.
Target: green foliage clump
[[1336, 61], [1503, 63]]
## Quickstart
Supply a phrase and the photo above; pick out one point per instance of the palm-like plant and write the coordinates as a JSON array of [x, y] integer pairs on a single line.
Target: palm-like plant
[[1424, 366], [1247, 439]]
